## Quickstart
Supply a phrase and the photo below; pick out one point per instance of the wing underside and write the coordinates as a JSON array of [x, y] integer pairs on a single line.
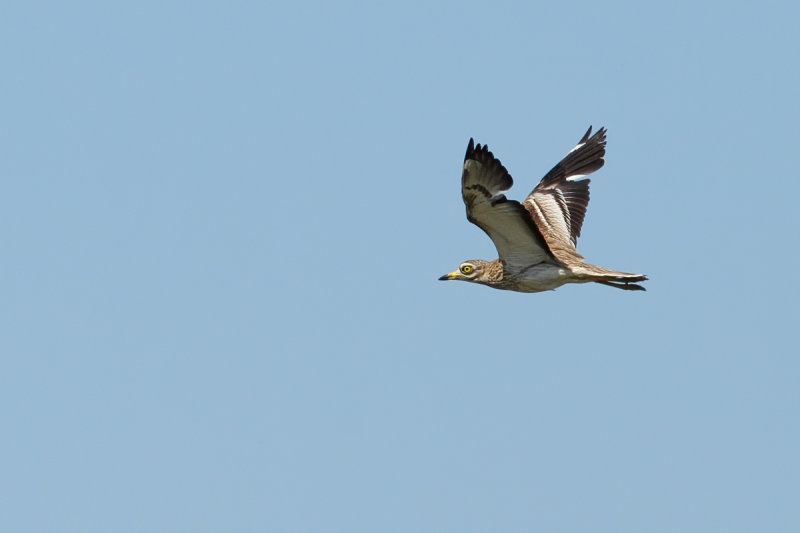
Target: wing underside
[[507, 222]]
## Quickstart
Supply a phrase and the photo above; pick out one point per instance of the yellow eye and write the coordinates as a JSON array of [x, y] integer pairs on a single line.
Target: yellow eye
[[466, 269]]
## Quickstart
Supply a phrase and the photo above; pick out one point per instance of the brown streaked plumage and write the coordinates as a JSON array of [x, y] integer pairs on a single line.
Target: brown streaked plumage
[[536, 240]]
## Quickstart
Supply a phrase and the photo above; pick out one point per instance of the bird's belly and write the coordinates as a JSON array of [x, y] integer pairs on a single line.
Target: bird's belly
[[542, 277]]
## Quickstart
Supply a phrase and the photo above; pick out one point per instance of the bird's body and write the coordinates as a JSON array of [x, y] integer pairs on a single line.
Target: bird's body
[[536, 239]]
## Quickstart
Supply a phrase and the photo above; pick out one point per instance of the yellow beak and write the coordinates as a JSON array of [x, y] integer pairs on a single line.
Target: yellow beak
[[451, 275]]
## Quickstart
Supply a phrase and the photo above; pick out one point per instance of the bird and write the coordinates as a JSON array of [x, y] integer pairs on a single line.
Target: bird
[[536, 240]]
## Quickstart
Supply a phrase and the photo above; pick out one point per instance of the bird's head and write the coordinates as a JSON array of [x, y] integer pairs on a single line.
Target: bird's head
[[473, 270]]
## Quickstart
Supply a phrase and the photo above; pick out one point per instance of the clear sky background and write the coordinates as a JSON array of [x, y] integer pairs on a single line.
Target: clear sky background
[[223, 225]]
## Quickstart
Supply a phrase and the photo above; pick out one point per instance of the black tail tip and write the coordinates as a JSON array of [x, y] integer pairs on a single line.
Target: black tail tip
[[623, 286]]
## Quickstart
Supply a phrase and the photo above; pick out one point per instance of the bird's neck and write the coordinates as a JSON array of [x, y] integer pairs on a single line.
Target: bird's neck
[[494, 271]]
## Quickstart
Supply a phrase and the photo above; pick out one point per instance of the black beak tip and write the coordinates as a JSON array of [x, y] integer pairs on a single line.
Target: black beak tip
[[445, 277]]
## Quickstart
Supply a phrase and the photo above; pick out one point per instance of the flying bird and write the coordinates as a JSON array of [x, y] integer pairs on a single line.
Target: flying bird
[[536, 240]]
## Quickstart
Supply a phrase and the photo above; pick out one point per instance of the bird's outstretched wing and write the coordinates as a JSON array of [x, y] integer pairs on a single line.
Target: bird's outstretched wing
[[558, 203], [508, 224]]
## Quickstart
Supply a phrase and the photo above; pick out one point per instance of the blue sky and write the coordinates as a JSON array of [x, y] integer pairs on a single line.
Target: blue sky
[[224, 225]]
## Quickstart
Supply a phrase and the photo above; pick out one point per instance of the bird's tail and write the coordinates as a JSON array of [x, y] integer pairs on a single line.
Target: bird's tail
[[612, 278]]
